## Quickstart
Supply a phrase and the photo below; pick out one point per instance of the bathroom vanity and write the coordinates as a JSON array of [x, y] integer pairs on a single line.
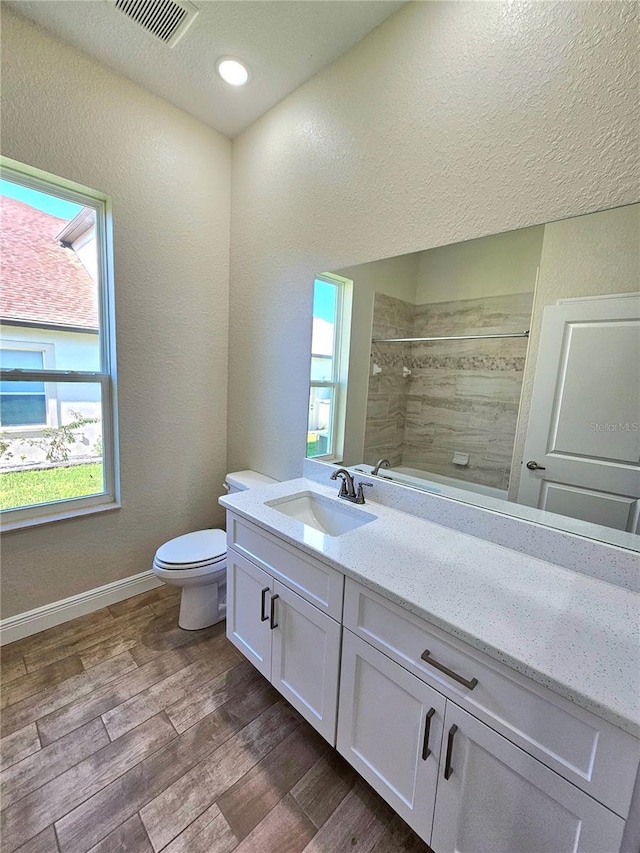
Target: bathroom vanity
[[489, 697]]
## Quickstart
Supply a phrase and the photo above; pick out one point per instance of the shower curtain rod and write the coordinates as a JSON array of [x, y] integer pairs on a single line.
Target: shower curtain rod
[[449, 338]]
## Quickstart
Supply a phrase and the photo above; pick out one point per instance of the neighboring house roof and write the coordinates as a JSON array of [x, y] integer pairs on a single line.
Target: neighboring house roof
[[76, 227], [43, 283]]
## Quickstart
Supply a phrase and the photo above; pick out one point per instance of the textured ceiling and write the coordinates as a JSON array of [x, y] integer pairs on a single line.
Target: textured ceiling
[[284, 44]]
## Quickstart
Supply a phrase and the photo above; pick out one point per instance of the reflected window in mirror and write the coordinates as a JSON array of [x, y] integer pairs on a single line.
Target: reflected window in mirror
[[329, 367]]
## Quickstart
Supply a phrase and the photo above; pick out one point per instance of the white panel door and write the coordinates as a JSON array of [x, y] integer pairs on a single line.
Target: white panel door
[[498, 799], [584, 426], [390, 729], [305, 664], [249, 594]]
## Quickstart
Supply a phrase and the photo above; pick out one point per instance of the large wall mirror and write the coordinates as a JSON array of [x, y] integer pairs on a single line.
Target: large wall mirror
[[503, 371]]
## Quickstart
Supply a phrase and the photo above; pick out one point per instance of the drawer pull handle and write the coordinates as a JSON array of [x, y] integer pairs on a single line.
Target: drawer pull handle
[[448, 769], [272, 616], [426, 752], [426, 656], [263, 603]]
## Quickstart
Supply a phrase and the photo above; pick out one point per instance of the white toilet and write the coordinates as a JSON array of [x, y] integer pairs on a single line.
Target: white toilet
[[197, 562]]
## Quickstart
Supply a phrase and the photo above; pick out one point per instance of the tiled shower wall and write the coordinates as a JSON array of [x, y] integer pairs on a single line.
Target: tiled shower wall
[[388, 391], [461, 395], [464, 395]]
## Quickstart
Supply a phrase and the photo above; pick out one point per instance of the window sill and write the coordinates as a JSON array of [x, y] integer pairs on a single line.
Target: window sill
[[8, 525], [29, 429]]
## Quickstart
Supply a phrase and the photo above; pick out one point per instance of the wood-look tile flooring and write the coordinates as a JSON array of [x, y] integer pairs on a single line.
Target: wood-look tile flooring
[[121, 733]]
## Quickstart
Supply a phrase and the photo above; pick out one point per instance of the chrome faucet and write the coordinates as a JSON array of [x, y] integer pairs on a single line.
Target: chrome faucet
[[347, 488], [381, 463]]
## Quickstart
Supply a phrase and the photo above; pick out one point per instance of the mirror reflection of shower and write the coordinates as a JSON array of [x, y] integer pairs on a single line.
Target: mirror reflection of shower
[[448, 406], [471, 360], [445, 402]]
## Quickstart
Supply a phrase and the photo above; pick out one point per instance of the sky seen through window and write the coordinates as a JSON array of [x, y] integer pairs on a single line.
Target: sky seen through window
[[58, 207]]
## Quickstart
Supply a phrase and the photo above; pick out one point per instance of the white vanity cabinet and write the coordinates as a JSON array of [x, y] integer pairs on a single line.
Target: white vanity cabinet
[[390, 729], [494, 798], [316, 582], [521, 770], [474, 756], [305, 659], [249, 593], [291, 641], [422, 752]]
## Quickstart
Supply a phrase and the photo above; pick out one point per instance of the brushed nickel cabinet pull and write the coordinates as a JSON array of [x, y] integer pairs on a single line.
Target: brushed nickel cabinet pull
[[272, 616], [426, 657], [448, 769], [264, 616], [426, 752]]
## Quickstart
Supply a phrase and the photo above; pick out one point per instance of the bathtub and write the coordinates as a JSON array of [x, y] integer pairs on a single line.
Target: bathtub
[[429, 482]]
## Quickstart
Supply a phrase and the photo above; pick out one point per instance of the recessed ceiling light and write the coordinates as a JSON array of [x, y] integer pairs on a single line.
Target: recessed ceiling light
[[232, 71]]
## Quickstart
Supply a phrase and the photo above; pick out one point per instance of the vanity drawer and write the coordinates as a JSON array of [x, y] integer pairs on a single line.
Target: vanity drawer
[[598, 757], [319, 584]]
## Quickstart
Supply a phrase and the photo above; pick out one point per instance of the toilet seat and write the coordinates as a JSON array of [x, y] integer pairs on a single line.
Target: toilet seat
[[179, 567], [197, 549]]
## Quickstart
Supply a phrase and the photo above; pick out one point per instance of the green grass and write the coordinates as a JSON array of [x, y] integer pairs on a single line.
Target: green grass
[[316, 447], [23, 488]]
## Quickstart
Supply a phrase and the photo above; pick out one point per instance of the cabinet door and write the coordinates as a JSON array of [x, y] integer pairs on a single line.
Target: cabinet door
[[498, 799], [249, 592], [390, 729], [306, 659]]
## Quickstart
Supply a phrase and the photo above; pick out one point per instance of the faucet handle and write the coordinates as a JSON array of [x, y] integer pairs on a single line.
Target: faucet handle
[[360, 494]]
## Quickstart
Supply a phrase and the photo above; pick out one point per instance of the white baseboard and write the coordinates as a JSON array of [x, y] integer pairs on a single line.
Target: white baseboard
[[33, 621]]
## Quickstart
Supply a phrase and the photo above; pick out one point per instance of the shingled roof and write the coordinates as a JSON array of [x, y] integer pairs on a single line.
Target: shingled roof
[[42, 282]]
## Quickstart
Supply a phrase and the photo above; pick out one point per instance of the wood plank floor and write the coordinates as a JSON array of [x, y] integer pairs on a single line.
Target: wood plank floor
[[121, 733]]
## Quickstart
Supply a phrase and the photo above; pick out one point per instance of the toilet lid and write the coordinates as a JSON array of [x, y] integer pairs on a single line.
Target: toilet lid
[[201, 546]]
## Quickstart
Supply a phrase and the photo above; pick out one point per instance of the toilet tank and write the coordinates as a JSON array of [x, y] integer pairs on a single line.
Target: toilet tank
[[239, 481]]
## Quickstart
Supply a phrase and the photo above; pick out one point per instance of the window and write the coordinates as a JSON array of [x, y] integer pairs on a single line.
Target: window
[[22, 403], [26, 406], [57, 360], [329, 367]]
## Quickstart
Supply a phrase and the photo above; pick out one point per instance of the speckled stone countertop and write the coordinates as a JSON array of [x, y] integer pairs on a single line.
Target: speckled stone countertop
[[570, 632]]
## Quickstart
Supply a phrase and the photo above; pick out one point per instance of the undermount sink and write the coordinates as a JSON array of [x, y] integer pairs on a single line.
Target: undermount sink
[[323, 514]]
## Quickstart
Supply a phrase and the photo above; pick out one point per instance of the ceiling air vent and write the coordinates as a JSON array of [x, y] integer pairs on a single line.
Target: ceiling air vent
[[167, 20]]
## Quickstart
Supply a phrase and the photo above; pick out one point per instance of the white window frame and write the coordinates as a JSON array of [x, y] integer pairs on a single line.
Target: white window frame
[[109, 498], [49, 363], [339, 379]]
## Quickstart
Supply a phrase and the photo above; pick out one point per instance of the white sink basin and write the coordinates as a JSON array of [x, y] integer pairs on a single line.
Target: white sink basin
[[323, 514]]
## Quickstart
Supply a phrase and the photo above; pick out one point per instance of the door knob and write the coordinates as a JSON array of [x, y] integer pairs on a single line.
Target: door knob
[[532, 465]]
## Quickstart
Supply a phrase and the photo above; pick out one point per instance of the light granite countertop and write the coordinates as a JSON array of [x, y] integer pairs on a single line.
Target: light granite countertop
[[577, 635]]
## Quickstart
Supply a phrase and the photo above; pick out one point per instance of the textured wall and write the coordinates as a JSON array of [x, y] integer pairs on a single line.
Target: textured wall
[[450, 121], [168, 176], [498, 265], [588, 256]]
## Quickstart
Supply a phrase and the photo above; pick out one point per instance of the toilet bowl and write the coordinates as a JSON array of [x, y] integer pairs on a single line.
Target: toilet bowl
[[197, 563]]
